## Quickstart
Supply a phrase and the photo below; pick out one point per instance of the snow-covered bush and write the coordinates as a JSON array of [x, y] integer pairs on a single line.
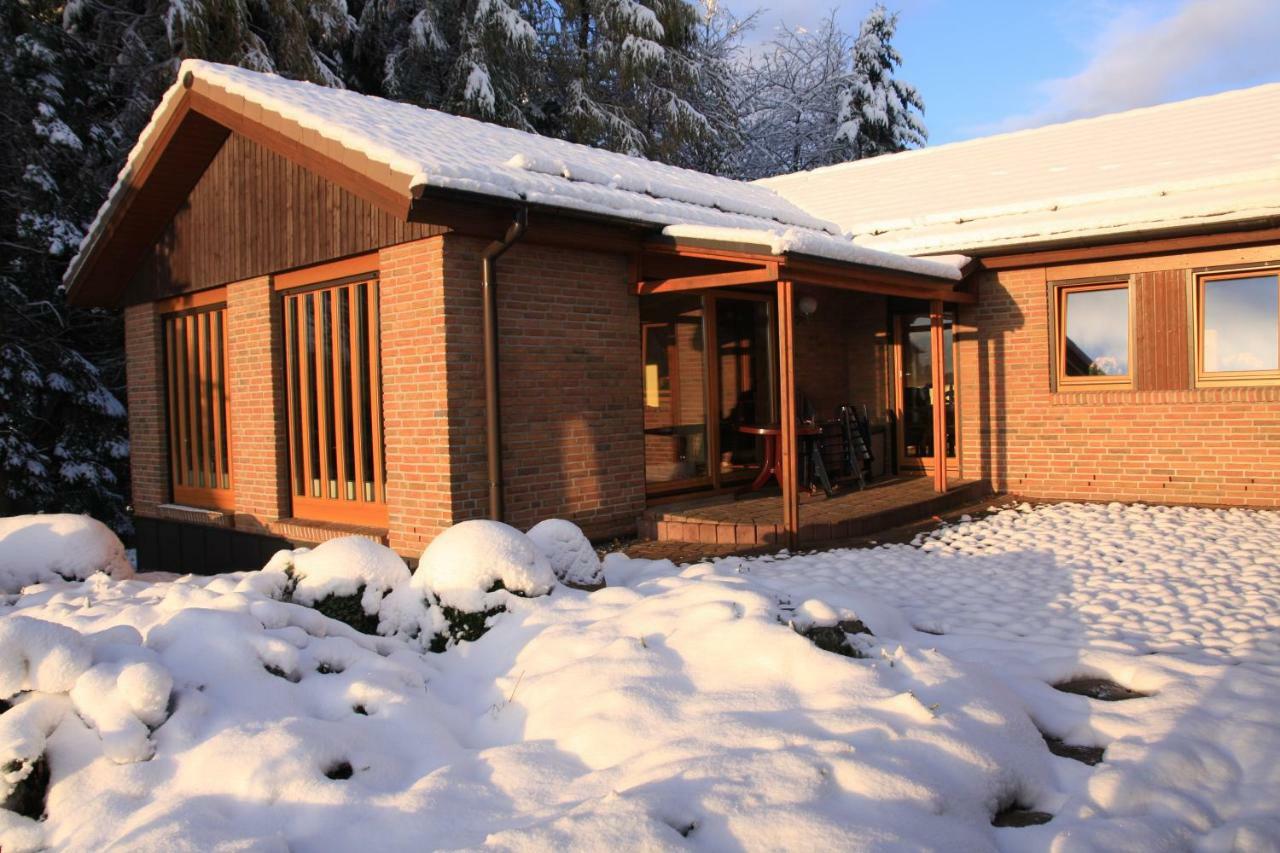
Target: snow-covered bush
[[48, 548], [50, 672], [345, 579], [471, 568], [572, 557], [827, 629]]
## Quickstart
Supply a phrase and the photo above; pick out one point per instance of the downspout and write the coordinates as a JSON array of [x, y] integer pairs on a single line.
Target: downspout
[[493, 417]]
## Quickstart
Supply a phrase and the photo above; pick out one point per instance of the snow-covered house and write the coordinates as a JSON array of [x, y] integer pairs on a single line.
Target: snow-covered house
[[345, 313]]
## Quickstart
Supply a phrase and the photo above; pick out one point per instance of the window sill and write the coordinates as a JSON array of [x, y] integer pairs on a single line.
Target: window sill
[[194, 515], [315, 532]]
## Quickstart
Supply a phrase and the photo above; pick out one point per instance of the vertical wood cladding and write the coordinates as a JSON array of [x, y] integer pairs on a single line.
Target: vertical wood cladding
[[1161, 357], [253, 213]]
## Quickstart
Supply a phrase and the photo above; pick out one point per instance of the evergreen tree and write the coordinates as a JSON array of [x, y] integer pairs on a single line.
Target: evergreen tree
[[622, 75], [470, 57], [62, 429], [878, 113]]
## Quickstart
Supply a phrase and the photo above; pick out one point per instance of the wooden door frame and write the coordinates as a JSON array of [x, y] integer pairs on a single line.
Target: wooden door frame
[[921, 464]]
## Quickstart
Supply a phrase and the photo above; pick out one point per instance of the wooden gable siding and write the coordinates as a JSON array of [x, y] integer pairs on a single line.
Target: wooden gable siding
[[1162, 343], [255, 212]]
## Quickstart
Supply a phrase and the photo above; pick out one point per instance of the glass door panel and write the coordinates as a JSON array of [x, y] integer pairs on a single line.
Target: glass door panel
[[744, 365], [675, 391], [916, 393]]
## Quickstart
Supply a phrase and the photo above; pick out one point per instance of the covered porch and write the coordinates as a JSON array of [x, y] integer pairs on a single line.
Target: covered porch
[[763, 371], [756, 520]]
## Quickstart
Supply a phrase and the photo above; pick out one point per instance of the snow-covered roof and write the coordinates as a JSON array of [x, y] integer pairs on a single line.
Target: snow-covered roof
[[1201, 162], [413, 149]]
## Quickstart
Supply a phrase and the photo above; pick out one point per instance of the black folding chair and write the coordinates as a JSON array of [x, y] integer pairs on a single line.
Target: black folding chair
[[856, 425]]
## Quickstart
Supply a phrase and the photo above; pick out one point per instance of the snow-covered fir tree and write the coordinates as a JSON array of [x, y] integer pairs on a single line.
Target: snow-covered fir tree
[[477, 58], [879, 114], [625, 75], [62, 429]]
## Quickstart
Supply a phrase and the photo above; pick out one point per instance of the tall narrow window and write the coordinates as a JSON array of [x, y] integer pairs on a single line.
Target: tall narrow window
[[195, 352], [1238, 325], [1093, 335], [335, 409]]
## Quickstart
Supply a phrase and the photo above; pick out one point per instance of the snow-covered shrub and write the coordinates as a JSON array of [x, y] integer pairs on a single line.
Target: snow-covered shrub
[[826, 629], [24, 770], [47, 548], [572, 557], [345, 579], [471, 568], [39, 655]]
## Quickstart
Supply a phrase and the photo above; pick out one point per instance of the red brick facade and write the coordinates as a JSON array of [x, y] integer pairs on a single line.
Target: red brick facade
[[415, 408], [1167, 445], [148, 446], [259, 439], [570, 386], [573, 436]]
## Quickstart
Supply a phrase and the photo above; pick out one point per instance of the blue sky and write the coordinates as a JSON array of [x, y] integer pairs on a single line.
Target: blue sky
[[984, 67]]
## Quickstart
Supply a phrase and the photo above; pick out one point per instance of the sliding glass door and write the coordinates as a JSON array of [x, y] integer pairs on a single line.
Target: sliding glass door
[[708, 369], [916, 395]]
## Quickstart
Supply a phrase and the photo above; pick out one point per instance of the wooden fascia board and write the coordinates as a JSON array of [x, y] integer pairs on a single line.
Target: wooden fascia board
[[874, 280], [764, 274], [1106, 251], [350, 170]]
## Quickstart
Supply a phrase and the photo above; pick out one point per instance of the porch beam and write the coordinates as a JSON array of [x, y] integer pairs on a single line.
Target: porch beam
[[764, 274], [937, 359], [882, 287], [789, 475]]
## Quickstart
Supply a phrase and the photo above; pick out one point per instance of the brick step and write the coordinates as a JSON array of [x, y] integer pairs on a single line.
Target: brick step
[[880, 512]]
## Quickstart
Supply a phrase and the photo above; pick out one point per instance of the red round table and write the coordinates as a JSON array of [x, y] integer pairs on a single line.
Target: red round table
[[772, 448]]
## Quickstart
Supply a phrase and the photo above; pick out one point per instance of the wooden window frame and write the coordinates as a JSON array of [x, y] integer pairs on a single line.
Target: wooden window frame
[[1063, 382], [342, 500], [1218, 378], [193, 319]]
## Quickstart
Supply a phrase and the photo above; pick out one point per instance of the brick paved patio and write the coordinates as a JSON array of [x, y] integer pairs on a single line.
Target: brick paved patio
[[755, 521]]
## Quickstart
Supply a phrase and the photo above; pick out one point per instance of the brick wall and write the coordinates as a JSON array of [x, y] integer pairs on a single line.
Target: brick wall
[[256, 395], [1188, 445], [842, 351], [414, 393], [570, 384], [148, 445]]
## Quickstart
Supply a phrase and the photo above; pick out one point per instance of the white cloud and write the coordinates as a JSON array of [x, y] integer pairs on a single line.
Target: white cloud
[[1138, 58]]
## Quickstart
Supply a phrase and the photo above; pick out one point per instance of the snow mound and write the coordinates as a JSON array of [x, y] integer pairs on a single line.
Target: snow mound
[[49, 548], [39, 655], [470, 560], [341, 567], [570, 553]]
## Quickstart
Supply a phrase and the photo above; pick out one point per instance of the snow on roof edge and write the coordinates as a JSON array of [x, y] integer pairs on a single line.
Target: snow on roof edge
[[873, 162], [659, 197], [799, 242]]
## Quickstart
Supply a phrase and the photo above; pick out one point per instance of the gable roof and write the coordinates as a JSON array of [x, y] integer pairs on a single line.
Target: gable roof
[[400, 151], [1205, 162]]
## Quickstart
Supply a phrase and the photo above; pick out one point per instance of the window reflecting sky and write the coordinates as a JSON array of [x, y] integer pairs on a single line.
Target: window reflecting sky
[[1240, 317], [1097, 329]]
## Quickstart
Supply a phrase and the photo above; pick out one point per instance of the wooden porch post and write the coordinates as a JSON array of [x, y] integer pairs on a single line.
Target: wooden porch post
[[937, 358], [789, 475]]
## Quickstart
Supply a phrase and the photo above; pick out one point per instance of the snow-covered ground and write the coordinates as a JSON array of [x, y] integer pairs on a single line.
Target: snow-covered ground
[[676, 707]]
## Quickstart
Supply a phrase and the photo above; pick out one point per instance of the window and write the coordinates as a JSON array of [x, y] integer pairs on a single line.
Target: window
[[1093, 336], [1238, 328], [195, 353], [334, 401]]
